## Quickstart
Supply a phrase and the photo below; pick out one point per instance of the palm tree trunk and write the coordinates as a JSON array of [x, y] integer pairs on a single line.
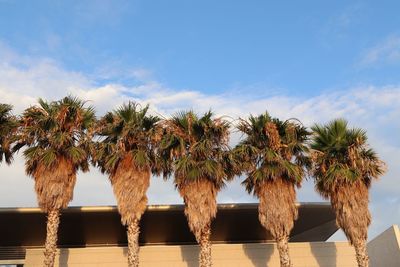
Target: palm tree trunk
[[283, 248], [53, 220], [205, 247], [133, 243], [350, 203], [361, 254]]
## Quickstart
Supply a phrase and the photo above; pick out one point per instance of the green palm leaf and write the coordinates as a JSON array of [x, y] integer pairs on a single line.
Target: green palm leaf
[[341, 155], [196, 147], [8, 127], [128, 129], [268, 154]]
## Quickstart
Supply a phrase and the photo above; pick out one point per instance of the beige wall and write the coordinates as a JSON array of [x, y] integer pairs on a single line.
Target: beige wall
[[384, 250], [326, 254]]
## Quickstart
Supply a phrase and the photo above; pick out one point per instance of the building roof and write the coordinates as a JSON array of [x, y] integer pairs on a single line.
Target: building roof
[[161, 224]]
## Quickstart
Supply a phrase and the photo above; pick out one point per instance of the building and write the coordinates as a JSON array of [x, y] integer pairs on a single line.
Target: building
[[94, 236]]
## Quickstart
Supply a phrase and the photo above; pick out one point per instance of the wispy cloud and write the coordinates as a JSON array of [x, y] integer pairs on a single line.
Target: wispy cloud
[[377, 109], [385, 52], [338, 26], [102, 11]]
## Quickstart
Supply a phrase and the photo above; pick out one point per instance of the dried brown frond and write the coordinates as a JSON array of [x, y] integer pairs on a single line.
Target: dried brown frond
[[200, 199], [130, 185], [273, 136], [54, 186], [353, 155], [277, 208], [291, 137], [190, 125], [226, 134], [315, 155], [291, 132], [62, 114], [172, 128], [158, 133]]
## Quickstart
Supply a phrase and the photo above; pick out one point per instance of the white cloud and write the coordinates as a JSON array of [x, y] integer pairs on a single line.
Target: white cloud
[[386, 52], [142, 74], [377, 109]]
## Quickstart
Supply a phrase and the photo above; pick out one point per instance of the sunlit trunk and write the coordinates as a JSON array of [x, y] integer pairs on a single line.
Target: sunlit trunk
[[283, 249], [133, 243], [361, 254], [277, 212], [53, 220], [200, 199], [205, 247]]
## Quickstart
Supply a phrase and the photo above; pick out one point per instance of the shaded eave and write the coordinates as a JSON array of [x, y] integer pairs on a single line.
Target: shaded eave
[[74, 209], [160, 224]]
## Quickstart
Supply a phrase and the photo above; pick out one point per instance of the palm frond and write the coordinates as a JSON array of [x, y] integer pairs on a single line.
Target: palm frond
[[272, 149], [8, 128], [342, 156], [55, 132], [128, 130], [196, 148]]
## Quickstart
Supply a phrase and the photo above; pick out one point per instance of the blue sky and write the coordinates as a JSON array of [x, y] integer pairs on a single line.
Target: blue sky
[[314, 60], [300, 47]]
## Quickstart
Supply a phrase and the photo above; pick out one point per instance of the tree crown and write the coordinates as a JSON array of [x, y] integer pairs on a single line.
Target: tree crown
[[196, 147], [8, 127], [54, 131], [127, 130], [341, 155], [272, 149]]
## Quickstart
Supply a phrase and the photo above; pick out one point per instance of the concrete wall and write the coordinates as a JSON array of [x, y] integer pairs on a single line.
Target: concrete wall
[[326, 254], [384, 250]]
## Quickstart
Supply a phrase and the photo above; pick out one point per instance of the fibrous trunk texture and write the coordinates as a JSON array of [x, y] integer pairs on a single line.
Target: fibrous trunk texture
[[130, 185], [283, 249], [53, 220], [277, 212], [350, 202], [361, 254], [54, 186], [200, 199], [205, 247], [133, 243]]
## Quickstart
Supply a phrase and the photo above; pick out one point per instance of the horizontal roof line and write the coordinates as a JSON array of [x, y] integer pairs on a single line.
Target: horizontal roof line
[[156, 207]]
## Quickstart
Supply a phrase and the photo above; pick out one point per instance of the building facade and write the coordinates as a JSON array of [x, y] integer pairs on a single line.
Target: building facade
[[94, 236]]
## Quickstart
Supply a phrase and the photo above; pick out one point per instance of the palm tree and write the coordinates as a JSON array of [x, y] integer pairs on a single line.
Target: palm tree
[[126, 152], [273, 157], [57, 136], [196, 149], [343, 168], [8, 127]]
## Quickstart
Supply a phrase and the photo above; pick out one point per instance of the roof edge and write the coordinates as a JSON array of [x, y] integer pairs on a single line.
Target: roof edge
[[152, 207]]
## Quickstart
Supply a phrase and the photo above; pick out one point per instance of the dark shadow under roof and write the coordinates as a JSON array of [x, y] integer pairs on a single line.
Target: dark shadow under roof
[[161, 224]]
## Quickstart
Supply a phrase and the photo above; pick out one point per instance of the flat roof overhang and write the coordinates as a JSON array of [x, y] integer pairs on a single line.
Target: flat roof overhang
[[161, 224]]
